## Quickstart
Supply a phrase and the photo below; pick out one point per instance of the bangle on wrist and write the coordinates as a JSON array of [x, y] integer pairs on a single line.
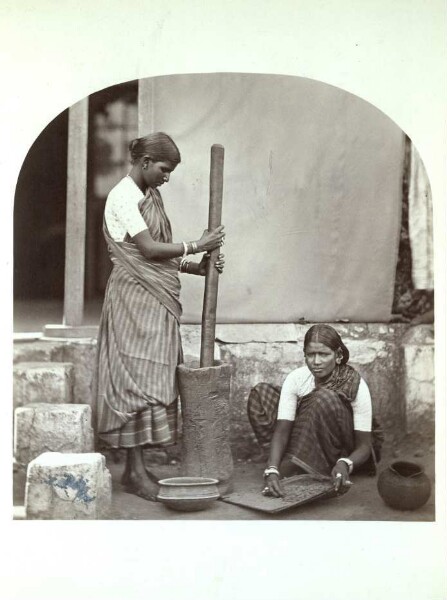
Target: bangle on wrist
[[184, 266], [185, 250], [348, 462], [272, 470], [194, 248]]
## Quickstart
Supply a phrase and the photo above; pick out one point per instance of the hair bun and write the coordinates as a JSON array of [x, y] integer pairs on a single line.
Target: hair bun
[[132, 144], [159, 146]]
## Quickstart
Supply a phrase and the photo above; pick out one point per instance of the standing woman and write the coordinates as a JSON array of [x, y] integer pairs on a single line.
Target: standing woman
[[139, 343], [320, 420]]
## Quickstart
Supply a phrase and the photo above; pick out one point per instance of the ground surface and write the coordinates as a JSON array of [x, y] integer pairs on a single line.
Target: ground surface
[[361, 503]]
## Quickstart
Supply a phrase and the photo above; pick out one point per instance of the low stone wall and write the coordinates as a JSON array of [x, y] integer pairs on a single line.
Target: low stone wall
[[396, 360]]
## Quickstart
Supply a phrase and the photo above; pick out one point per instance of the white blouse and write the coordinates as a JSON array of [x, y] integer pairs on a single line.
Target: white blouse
[[301, 382], [121, 212]]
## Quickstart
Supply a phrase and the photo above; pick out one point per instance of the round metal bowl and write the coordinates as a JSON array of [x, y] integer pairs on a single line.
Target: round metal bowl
[[188, 493]]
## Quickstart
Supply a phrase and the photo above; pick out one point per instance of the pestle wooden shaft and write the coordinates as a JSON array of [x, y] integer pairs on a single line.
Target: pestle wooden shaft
[[212, 275]]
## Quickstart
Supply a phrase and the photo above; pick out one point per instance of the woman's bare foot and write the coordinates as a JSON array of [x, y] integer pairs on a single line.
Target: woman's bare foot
[[127, 471], [136, 478], [140, 485]]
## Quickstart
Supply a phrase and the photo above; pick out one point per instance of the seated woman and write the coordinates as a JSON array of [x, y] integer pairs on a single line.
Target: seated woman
[[320, 420]]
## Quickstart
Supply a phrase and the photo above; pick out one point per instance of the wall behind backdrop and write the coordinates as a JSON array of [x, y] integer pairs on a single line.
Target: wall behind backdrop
[[312, 193]]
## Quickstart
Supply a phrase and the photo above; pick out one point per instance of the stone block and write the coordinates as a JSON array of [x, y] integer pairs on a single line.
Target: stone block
[[80, 353], [68, 486], [43, 427], [378, 363], [419, 388], [33, 351], [47, 382]]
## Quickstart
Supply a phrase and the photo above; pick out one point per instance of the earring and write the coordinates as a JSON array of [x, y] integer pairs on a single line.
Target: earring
[[338, 361]]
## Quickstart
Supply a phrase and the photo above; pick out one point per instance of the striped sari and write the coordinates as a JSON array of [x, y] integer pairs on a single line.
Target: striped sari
[[139, 343]]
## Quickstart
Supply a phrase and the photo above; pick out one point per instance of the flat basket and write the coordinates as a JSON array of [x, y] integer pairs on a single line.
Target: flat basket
[[299, 490]]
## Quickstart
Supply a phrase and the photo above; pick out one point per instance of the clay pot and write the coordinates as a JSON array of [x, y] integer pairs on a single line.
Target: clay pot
[[404, 485], [188, 493]]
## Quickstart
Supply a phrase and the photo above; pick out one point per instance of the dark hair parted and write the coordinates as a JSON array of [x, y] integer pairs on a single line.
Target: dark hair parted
[[325, 334], [157, 146]]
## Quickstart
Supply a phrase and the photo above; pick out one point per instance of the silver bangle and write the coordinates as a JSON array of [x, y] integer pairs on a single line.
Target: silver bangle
[[348, 462], [185, 250], [271, 471], [184, 264]]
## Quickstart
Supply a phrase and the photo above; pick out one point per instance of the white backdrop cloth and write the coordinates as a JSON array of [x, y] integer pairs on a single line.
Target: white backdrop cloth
[[312, 193]]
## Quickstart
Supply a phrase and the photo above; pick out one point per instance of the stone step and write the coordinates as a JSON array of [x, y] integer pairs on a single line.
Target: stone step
[[43, 427], [49, 382], [81, 353], [68, 486]]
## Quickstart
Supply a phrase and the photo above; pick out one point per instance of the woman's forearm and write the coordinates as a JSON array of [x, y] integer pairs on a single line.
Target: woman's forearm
[[162, 251], [153, 250], [362, 448], [360, 455], [158, 251], [279, 442]]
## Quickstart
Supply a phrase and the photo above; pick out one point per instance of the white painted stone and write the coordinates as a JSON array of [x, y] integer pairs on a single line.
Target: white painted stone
[[419, 386], [50, 382], [43, 427], [68, 486]]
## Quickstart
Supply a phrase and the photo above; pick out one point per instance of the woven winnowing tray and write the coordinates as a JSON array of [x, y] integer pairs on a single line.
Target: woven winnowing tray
[[299, 490]]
